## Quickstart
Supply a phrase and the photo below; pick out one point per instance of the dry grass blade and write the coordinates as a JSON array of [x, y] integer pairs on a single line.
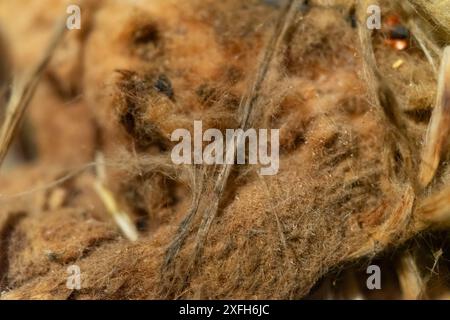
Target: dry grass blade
[[429, 48], [247, 106], [411, 282], [183, 229], [434, 211], [22, 93], [439, 127], [379, 91], [5, 75], [436, 11], [381, 236], [420, 31], [121, 218], [381, 95]]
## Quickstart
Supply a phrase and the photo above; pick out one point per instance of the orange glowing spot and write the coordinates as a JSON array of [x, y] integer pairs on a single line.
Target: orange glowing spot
[[398, 44]]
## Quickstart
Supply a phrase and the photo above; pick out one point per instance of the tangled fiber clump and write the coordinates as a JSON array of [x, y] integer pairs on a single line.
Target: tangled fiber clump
[[363, 150]]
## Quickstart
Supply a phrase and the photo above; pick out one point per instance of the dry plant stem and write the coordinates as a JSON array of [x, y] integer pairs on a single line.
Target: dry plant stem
[[427, 45], [23, 92], [381, 94], [375, 82], [247, 107], [411, 282], [5, 74], [437, 133], [148, 164], [434, 211], [385, 102], [436, 11], [47, 186], [183, 229], [388, 232], [121, 218]]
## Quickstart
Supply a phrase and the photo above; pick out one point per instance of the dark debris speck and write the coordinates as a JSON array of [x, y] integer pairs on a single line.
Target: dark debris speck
[[163, 85]]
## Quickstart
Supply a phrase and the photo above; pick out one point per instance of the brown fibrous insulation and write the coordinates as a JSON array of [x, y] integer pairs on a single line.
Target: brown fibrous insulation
[[352, 127]]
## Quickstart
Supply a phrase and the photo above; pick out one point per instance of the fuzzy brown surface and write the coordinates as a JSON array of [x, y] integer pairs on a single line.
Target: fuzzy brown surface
[[345, 190]]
